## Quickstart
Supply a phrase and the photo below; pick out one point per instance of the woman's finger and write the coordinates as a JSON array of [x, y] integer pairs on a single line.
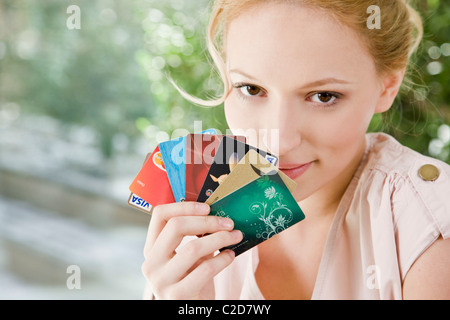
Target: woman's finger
[[197, 250], [163, 213], [200, 277], [179, 227]]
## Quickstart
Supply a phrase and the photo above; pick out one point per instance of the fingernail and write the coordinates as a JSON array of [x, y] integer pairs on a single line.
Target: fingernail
[[231, 253], [226, 223], [202, 207], [237, 234]]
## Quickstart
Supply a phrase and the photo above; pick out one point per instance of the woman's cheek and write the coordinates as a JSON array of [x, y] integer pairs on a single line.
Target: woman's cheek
[[238, 117]]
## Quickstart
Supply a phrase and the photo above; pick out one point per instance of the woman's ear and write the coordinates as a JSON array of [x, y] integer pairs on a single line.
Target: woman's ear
[[390, 85]]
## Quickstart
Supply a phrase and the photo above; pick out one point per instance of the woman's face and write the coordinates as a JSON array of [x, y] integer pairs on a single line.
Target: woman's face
[[298, 73]]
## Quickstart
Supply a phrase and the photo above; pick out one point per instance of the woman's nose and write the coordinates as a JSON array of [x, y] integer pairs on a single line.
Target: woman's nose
[[289, 139], [285, 129]]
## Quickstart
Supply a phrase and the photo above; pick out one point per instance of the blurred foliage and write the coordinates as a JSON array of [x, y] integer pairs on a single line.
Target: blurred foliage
[[111, 74], [420, 117], [174, 37], [84, 76]]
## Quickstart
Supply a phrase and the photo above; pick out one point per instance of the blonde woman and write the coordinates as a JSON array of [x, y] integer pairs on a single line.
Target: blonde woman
[[377, 213]]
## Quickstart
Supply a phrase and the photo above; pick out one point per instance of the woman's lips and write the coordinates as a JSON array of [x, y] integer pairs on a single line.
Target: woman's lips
[[294, 171]]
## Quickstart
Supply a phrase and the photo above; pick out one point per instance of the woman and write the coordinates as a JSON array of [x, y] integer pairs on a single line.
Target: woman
[[377, 213]]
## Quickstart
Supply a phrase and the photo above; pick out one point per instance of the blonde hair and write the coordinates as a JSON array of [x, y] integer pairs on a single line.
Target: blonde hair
[[391, 46]]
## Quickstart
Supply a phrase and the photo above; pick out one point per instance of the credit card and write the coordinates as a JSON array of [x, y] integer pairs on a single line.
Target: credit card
[[250, 168], [229, 153], [139, 203], [200, 151], [151, 183], [174, 156], [260, 210], [173, 153]]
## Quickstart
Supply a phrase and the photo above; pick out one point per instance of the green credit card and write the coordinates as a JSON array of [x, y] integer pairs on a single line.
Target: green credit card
[[260, 210]]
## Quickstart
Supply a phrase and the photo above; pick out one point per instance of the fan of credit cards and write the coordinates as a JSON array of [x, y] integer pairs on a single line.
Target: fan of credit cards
[[237, 180]]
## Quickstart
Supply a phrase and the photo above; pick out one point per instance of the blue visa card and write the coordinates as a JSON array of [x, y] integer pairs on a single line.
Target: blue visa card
[[173, 153]]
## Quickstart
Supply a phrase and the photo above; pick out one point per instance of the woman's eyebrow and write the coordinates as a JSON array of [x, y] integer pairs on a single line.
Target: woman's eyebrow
[[316, 83], [325, 81], [242, 74]]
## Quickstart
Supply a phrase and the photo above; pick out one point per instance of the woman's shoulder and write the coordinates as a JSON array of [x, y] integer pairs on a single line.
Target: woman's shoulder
[[413, 181], [411, 190], [389, 156]]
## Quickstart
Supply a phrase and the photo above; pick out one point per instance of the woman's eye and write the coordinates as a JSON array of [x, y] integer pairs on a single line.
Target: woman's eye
[[250, 90], [324, 97]]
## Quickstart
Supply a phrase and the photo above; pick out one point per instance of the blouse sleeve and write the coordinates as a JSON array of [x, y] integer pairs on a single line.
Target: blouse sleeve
[[421, 209]]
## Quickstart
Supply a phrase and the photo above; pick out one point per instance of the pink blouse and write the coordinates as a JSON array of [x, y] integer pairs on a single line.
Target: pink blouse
[[388, 216]]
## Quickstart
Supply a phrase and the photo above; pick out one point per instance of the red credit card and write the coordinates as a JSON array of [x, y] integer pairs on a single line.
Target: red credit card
[[200, 152], [152, 183]]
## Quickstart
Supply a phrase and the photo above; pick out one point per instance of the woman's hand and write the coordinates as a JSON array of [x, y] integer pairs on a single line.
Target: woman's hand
[[187, 273]]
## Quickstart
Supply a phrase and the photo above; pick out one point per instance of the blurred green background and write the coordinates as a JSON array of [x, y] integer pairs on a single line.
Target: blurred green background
[[80, 109]]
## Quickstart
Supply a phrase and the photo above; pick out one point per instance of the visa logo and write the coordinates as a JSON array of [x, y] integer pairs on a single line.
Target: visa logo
[[271, 159], [139, 203]]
